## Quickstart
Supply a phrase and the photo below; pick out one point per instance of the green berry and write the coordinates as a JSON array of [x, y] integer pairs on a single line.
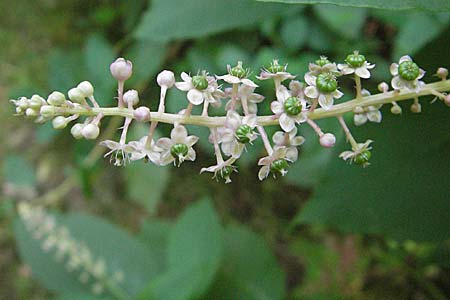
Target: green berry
[[408, 70], [239, 71], [279, 166], [322, 61], [199, 82], [179, 150], [363, 157], [326, 82], [355, 60], [243, 134], [226, 171], [292, 106]]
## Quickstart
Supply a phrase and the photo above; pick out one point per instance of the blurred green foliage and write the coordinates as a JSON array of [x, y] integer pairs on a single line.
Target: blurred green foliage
[[293, 241]]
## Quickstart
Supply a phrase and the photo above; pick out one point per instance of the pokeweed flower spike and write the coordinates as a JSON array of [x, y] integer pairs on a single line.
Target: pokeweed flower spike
[[296, 103]]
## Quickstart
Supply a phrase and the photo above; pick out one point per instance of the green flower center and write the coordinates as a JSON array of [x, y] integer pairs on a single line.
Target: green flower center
[[326, 83], [179, 150], [239, 72], [363, 157], [355, 60], [408, 70], [275, 67], [199, 82], [279, 166], [243, 134], [292, 106], [226, 171], [322, 61]]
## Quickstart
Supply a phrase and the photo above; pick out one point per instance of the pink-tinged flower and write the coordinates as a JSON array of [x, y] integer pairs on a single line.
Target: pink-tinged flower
[[324, 88], [247, 92], [200, 88], [223, 170], [147, 152], [121, 69], [359, 155], [275, 163], [322, 65], [275, 71], [120, 152], [178, 148], [356, 63], [289, 109], [406, 75], [291, 141]]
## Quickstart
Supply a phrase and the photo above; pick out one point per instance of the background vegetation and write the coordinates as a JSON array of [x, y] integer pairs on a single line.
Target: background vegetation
[[326, 231]]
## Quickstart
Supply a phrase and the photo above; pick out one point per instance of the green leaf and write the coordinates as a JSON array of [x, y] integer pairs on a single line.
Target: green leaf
[[146, 183], [99, 55], [167, 19], [18, 171], [249, 271], [155, 234], [416, 31], [399, 194], [194, 255], [104, 240], [295, 31], [65, 69], [343, 20], [433, 5]]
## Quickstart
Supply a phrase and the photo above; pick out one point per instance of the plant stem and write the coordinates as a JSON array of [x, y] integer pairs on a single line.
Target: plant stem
[[358, 87], [348, 134], [265, 139], [315, 127]]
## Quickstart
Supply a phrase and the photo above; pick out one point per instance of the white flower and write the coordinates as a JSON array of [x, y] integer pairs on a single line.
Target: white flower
[[122, 152], [275, 163], [406, 75], [236, 133], [247, 92], [276, 72], [144, 151], [371, 113], [325, 96], [359, 154], [178, 148], [200, 88], [289, 109], [237, 75], [223, 169], [322, 65], [356, 63], [290, 140]]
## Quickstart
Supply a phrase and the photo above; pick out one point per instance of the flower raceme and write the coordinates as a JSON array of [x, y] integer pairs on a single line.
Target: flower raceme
[[294, 105]]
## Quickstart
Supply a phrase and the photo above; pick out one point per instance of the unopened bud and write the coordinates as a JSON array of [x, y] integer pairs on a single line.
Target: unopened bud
[[358, 110], [327, 140], [31, 112], [86, 88], [166, 78], [76, 131], [447, 100], [59, 122], [442, 73], [396, 110], [90, 131], [47, 111], [416, 108], [56, 99], [131, 97], [19, 110], [76, 95], [23, 103], [36, 101], [121, 69], [142, 114], [383, 87]]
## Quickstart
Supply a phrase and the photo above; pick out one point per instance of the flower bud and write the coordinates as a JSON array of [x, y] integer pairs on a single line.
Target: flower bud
[[56, 99], [77, 130], [86, 88], [243, 134], [19, 110], [396, 109], [447, 100], [47, 111], [416, 108], [23, 103], [166, 78], [31, 112], [292, 106], [90, 131], [142, 114], [358, 110], [326, 83], [131, 97], [121, 69], [327, 140], [76, 95], [36, 101], [442, 73], [59, 122], [359, 119], [383, 87]]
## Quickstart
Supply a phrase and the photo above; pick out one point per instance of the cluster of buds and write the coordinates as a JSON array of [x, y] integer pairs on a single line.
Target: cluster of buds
[[76, 256], [296, 104]]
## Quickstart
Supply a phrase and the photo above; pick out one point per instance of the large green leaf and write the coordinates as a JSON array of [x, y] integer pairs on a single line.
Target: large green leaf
[[194, 255], [104, 240], [167, 19], [434, 5], [249, 271], [18, 171], [403, 193]]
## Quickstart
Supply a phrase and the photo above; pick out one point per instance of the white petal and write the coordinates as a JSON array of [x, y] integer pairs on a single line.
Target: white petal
[[397, 83], [301, 117], [342, 66], [292, 154], [326, 101], [191, 140], [209, 169], [233, 119], [338, 94], [178, 134], [278, 138], [184, 86], [166, 159], [164, 143], [362, 72], [310, 79], [229, 78], [249, 82], [263, 161], [226, 148], [359, 119], [404, 58], [195, 97], [297, 141], [250, 120], [282, 93], [348, 70], [276, 107], [421, 73], [236, 149], [394, 69], [286, 123], [185, 76], [374, 116], [263, 172], [191, 154], [311, 92]]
